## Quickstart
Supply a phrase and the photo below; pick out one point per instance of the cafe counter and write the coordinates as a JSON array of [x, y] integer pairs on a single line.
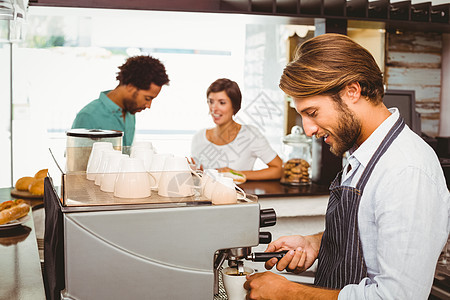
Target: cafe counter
[[20, 276]]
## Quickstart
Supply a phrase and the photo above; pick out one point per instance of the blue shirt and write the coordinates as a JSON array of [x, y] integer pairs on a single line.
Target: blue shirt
[[103, 113], [403, 217]]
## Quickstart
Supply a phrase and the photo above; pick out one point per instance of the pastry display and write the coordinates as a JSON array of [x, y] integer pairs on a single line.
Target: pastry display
[[37, 187], [23, 183], [12, 210], [41, 173], [30, 187]]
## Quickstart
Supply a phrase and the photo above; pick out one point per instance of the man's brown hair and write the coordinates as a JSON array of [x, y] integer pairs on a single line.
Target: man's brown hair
[[326, 64]]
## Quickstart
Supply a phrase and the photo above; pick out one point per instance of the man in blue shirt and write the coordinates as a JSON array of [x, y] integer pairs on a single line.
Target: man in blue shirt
[[140, 81]]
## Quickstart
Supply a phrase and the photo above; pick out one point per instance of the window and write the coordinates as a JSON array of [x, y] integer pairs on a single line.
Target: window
[[70, 55]]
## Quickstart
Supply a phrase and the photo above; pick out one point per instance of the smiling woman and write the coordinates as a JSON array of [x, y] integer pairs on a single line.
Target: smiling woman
[[230, 145]]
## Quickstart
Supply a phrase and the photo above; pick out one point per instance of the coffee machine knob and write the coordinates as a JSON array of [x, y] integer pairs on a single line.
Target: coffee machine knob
[[267, 217], [265, 237]]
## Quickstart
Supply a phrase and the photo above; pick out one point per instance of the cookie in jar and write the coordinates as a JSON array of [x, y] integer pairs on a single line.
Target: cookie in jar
[[296, 172], [296, 158]]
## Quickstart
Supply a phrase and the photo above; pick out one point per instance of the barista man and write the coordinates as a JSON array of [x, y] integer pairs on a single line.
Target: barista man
[[140, 81], [388, 214]]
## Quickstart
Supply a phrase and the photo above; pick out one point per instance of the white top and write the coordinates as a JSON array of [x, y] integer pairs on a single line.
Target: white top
[[240, 154], [403, 216]]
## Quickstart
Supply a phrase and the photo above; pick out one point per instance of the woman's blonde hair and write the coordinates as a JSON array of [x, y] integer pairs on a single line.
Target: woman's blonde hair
[[326, 64]]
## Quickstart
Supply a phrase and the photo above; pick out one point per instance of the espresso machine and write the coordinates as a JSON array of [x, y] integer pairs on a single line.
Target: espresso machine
[[149, 248]]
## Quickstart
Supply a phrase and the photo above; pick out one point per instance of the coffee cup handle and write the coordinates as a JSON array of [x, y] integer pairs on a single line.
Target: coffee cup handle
[[153, 184], [195, 173], [243, 196]]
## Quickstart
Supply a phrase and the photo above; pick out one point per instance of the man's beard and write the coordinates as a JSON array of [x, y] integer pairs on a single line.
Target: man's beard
[[129, 105], [347, 132]]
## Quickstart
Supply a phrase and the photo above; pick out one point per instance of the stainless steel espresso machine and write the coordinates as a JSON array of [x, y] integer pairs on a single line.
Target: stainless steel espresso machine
[[149, 248]]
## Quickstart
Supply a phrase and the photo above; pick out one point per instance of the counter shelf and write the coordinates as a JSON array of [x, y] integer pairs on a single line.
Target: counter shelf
[[77, 193]]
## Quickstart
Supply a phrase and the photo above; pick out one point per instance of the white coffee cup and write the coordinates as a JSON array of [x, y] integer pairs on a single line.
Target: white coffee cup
[[176, 179], [208, 181], [133, 180], [106, 156], [156, 168], [94, 158], [224, 191], [234, 283], [141, 145], [144, 153], [110, 174]]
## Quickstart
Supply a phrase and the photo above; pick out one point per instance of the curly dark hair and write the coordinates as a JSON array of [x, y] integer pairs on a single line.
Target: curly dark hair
[[141, 71]]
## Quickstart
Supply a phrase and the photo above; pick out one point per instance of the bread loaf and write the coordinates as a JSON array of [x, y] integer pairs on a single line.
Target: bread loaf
[[41, 173], [37, 187], [12, 210], [23, 183]]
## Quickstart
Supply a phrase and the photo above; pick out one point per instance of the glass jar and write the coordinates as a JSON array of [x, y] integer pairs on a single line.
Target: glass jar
[[297, 158]]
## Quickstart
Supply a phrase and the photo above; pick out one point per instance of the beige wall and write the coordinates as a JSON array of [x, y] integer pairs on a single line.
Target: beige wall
[[372, 40]]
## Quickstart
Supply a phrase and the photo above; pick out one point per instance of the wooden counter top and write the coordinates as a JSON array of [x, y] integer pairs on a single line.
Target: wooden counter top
[[273, 188], [20, 275]]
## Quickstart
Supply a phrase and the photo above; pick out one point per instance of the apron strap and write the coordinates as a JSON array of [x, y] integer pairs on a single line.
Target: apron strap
[[387, 141]]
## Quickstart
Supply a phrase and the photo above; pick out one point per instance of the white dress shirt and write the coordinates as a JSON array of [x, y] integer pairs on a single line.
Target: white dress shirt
[[403, 216]]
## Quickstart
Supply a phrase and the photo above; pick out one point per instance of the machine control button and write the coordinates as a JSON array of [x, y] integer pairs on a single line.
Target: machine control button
[[267, 217], [265, 237]]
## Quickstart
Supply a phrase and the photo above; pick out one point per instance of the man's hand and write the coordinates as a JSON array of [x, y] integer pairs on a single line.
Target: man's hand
[[303, 251], [275, 287], [267, 286]]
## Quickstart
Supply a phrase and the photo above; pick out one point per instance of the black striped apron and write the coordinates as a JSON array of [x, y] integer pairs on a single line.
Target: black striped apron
[[341, 259]]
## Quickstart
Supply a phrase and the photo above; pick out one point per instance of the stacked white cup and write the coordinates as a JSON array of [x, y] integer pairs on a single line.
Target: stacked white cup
[[176, 179], [111, 172], [144, 153], [133, 180], [107, 155], [95, 157], [141, 145], [156, 168]]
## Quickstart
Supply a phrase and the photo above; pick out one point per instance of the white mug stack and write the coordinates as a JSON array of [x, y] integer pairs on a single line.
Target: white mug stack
[[104, 161], [156, 168], [108, 178], [176, 179], [95, 157], [132, 180], [144, 153]]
